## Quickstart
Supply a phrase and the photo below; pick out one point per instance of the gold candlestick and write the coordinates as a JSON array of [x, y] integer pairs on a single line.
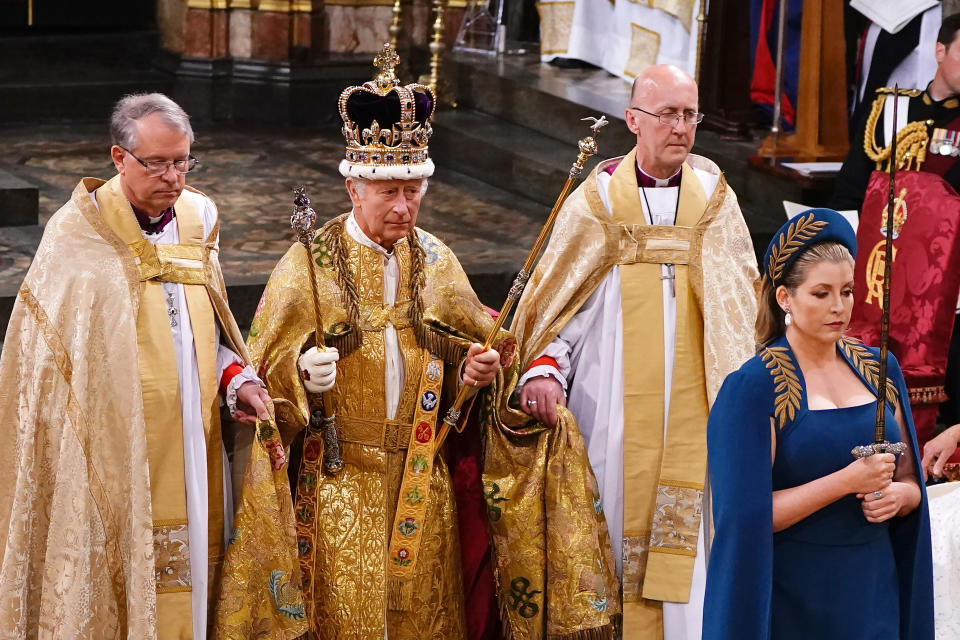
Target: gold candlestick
[[395, 25], [436, 45]]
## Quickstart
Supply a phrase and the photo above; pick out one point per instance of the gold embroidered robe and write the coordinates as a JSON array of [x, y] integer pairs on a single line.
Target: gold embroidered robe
[[81, 554], [344, 520]]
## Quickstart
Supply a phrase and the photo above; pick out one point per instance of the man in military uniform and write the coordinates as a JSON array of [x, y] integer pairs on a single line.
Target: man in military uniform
[[938, 107], [925, 279]]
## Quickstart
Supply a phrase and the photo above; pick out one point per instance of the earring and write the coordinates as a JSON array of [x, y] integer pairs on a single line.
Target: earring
[[788, 319]]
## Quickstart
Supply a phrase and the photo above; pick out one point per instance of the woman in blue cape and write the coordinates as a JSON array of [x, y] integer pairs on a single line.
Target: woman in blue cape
[[811, 544]]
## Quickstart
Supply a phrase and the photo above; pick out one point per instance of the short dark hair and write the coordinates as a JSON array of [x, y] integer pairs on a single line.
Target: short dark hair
[[948, 29]]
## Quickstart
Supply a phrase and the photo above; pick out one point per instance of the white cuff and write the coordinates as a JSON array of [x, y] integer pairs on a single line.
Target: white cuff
[[543, 370], [246, 375]]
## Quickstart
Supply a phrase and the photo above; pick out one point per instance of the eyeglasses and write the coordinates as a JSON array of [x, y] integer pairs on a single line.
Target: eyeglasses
[[669, 118], [156, 168]]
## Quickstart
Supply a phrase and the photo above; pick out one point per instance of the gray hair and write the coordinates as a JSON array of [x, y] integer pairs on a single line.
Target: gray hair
[[360, 184], [129, 109]]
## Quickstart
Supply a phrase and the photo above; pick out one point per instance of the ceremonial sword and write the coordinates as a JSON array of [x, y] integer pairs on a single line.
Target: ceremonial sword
[[880, 443], [587, 147], [304, 221]]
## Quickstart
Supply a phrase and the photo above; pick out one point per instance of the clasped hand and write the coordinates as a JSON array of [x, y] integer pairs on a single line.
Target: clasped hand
[[871, 479], [539, 398]]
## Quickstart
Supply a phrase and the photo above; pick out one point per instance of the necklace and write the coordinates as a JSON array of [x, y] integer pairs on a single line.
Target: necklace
[[676, 206]]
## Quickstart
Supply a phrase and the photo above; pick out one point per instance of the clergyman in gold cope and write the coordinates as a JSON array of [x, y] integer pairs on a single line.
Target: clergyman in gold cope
[[643, 302]]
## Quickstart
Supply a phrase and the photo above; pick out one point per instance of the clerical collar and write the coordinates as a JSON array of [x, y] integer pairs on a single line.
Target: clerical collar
[[355, 232], [153, 224], [647, 181]]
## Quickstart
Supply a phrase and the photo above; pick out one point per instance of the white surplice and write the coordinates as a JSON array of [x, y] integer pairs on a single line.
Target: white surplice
[[945, 539], [622, 37], [589, 352], [194, 439]]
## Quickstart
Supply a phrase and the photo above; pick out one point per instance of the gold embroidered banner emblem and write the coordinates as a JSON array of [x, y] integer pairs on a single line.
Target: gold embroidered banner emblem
[[415, 488]]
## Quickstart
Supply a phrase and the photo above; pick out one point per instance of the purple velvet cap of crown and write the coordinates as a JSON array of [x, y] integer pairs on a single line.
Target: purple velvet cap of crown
[[364, 107]]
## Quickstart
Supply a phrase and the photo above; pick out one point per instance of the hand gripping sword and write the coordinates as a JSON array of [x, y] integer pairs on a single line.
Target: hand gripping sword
[[304, 221], [587, 147], [880, 444]]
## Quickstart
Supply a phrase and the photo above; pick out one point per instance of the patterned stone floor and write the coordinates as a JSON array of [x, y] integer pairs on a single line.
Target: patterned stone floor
[[250, 172]]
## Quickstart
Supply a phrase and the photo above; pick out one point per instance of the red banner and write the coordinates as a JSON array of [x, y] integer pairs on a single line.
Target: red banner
[[924, 283]]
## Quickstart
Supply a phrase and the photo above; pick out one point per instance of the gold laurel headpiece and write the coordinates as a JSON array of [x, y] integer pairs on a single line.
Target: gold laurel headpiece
[[386, 125], [797, 235]]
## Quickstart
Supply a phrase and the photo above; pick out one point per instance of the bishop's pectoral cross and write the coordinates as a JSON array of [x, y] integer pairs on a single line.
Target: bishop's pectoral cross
[[670, 274], [172, 312]]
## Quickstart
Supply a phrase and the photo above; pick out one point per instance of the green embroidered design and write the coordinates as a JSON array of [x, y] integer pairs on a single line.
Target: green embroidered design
[[413, 496], [304, 514], [304, 546], [408, 527], [599, 603], [308, 481], [490, 493], [788, 389], [520, 598], [597, 505], [286, 598], [418, 464], [265, 431], [322, 255]]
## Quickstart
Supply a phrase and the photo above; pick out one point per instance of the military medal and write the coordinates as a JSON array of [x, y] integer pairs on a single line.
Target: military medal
[[945, 142]]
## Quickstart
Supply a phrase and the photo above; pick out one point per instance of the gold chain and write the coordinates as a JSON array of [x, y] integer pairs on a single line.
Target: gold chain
[[912, 141]]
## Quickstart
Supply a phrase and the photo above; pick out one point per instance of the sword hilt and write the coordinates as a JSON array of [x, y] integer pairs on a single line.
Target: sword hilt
[[867, 450]]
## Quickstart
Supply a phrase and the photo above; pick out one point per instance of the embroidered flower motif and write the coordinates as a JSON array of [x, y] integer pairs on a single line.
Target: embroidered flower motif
[[418, 465], [413, 496], [402, 558], [278, 457], [408, 527]]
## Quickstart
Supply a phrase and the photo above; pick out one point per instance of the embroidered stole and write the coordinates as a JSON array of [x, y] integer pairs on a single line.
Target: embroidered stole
[[160, 382], [663, 477]]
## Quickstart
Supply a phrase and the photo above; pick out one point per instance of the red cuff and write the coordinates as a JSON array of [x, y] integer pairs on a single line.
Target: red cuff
[[228, 375], [544, 360]]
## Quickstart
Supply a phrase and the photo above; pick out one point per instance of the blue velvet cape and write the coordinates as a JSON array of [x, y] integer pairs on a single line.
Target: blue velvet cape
[[740, 569]]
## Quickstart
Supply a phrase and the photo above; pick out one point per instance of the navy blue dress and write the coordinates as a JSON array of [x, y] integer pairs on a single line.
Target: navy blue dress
[[833, 575], [833, 567]]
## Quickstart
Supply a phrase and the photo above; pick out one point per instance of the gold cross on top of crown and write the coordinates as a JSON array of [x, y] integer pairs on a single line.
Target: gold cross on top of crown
[[386, 61]]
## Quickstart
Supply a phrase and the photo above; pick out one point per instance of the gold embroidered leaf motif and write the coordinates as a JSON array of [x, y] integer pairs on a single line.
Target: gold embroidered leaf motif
[[868, 365], [787, 384], [797, 234]]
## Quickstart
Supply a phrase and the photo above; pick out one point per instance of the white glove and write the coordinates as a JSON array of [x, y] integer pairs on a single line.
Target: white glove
[[318, 369]]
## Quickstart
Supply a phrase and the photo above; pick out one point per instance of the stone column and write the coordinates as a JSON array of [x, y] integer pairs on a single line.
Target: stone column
[[358, 26], [172, 22], [241, 28], [271, 30], [206, 29]]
